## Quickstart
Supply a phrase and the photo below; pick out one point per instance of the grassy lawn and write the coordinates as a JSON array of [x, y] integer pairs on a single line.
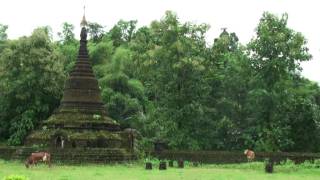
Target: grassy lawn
[[137, 171]]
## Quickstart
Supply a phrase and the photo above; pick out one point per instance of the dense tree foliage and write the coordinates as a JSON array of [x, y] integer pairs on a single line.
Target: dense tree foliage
[[3, 36], [276, 53], [166, 81], [95, 31], [31, 84]]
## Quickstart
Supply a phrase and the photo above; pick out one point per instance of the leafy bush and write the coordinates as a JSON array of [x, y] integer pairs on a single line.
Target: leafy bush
[[15, 177], [317, 163], [152, 160], [307, 164], [311, 164]]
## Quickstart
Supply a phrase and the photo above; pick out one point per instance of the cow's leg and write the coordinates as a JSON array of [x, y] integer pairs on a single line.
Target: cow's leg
[[30, 163], [49, 161], [35, 162], [27, 164]]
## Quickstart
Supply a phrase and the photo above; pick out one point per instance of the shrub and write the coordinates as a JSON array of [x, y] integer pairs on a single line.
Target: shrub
[[152, 160], [307, 164], [317, 163], [288, 163], [15, 177], [311, 164]]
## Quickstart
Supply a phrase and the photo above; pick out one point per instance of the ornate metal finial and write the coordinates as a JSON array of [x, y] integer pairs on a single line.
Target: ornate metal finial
[[224, 29], [84, 21]]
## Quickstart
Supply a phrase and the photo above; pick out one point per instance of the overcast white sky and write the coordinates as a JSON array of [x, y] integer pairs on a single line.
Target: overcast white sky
[[239, 16]]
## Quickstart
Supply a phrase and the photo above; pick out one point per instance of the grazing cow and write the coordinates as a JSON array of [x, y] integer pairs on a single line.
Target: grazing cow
[[38, 156], [250, 154]]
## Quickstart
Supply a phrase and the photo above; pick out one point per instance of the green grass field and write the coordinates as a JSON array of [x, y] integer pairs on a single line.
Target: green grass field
[[136, 171]]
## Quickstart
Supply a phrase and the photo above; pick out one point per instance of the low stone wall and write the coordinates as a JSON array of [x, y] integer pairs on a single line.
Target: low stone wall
[[108, 155], [76, 155], [231, 157], [7, 152]]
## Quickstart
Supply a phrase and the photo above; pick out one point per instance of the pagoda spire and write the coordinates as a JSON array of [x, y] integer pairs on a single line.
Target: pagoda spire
[[84, 21], [81, 89], [83, 52]]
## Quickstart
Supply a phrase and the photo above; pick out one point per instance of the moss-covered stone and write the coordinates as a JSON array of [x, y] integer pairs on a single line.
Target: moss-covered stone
[[78, 117], [71, 134]]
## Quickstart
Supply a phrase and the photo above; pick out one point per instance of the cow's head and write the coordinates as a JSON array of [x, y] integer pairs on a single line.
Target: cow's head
[[246, 151], [44, 158]]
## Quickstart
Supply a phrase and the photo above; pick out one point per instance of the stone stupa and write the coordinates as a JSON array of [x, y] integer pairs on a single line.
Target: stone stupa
[[81, 121]]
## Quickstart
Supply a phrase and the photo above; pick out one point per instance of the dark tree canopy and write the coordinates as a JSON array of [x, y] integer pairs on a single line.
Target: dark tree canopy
[[168, 82]]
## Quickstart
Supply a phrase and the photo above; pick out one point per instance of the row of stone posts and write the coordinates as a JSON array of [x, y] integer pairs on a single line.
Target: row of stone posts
[[163, 164]]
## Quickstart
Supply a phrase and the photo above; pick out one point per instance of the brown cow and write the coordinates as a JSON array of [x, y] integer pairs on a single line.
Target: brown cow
[[38, 156], [250, 154]]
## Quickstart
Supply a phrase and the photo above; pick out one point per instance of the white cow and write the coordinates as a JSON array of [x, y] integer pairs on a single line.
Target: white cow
[[250, 154]]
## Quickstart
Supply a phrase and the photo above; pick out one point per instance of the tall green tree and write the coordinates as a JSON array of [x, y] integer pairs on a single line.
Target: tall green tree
[[3, 34], [31, 84], [101, 53], [122, 32], [276, 53], [67, 34], [173, 59], [123, 95], [304, 116], [277, 50], [228, 75], [68, 46], [95, 31]]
